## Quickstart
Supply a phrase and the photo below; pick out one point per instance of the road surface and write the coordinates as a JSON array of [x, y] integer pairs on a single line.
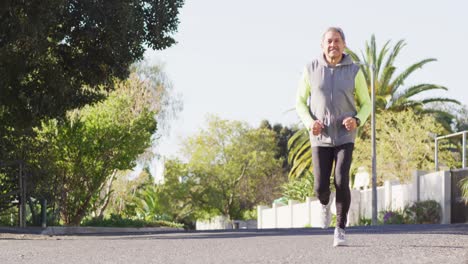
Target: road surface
[[378, 244]]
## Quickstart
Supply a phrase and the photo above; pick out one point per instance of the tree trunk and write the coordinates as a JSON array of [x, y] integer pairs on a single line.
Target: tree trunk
[[100, 212]]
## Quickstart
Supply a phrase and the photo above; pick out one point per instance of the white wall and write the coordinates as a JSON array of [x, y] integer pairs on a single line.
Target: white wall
[[391, 196]]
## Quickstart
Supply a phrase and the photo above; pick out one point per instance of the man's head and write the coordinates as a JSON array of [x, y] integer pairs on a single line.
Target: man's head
[[333, 44]]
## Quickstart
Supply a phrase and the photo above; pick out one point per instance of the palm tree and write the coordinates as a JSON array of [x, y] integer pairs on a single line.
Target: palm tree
[[389, 90], [390, 93]]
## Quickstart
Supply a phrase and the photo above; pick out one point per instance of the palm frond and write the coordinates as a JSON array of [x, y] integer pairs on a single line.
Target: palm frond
[[382, 54], [440, 100], [386, 76], [299, 135], [417, 89], [395, 51], [353, 55], [399, 80]]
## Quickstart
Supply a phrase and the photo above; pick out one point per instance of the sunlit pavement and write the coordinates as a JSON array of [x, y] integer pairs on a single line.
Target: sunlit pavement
[[377, 244]]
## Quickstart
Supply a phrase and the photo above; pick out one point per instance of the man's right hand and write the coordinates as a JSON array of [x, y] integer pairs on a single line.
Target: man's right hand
[[316, 127]]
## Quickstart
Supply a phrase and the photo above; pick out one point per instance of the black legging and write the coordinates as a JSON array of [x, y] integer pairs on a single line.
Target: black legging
[[323, 159]]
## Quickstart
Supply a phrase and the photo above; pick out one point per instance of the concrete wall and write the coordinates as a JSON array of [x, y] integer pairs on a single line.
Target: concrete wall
[[392, 196], [221, 222]]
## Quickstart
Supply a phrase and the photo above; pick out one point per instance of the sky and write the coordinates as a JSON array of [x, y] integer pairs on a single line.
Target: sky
[[242, 60]]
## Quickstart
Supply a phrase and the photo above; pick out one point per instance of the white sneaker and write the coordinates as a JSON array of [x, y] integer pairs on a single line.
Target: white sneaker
[[339, 237], [325, 216]]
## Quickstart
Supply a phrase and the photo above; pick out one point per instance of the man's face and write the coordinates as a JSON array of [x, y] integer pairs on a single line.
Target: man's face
[[333, 45]]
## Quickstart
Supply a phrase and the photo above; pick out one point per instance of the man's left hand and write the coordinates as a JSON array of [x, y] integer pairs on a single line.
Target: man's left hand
[[350, 123]]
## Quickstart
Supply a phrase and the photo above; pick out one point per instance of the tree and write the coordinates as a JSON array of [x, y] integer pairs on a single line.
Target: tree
[[283, 134], [95, 141], [58, 55], [124, 192], [230, 161], [405, 143], [180, 192], [55, 53], [389, 90], [391, 95]]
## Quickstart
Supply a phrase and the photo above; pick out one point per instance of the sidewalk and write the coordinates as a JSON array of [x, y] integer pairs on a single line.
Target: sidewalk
[[85, 230]]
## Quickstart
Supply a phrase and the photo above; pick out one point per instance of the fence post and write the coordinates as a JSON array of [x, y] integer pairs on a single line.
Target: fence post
[[388, 195], [309, 211], [44, 213], [260, 219], [22, 200], [446, 187], [275, 215], [436, 154], [464, 150]]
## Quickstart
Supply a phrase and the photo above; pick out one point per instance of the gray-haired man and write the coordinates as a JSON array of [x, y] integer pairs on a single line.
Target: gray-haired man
[[331, 83]]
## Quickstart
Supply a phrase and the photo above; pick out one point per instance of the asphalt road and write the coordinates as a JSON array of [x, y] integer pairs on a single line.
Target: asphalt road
[[379, 244]]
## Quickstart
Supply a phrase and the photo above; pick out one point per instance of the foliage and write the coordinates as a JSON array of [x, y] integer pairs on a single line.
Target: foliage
[[231, 163], [124, 192], [402, 146], [364, 221], [389, 90], [179, 195], [300, 155], [118, 221], [333, 221], [166, 104], [283, 134], [9, 217], [54, 53], [59, 55], [423, 212], [461, 118], [148, 206], [94, 141], [464, 189], [299, 189], [249, 215], [389, 217]]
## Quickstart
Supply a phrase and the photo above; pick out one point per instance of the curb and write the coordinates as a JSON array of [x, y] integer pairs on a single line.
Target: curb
[[85, 230]]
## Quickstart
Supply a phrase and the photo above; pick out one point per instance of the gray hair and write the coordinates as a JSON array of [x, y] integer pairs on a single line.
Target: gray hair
[[337, 30]]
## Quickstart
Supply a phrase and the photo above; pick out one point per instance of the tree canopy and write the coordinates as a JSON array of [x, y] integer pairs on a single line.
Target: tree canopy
[[55, 53], [232, 163], [92, 143]]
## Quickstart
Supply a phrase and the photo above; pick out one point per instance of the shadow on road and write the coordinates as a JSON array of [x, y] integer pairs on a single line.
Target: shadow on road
[[456, 229], [453, 229]]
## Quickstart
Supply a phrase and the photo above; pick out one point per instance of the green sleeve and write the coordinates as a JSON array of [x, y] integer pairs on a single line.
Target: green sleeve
[[363, 98], [303, 93]]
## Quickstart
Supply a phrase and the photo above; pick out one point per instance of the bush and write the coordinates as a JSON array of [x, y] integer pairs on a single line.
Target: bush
[[425, 212], [299, 189], [9, 217], [364, 221], [249, 214], [389, 217]]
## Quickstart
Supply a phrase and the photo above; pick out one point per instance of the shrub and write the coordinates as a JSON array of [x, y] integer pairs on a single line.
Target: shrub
[[424, 212], [333, 221], [364, 221], [389, 217], [299, 189]]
